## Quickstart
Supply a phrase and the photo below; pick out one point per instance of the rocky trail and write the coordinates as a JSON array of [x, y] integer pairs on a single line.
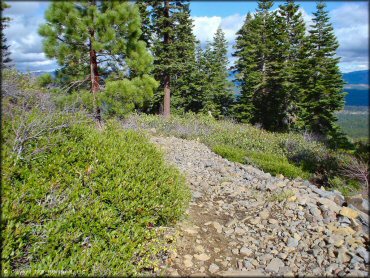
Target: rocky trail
[[244, 222]]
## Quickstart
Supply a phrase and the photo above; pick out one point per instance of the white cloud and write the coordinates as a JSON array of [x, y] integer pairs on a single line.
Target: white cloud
[[350, 22], [25, 43], [205, 28]]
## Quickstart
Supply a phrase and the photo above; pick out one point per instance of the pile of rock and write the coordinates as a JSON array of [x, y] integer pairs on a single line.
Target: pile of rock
[[245, 222]]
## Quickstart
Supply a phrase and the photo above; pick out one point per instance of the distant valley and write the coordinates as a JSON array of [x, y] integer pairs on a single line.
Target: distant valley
[[356, 87]]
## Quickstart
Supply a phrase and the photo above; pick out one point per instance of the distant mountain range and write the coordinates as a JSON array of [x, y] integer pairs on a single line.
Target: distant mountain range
[[357, 77], [356, 87]]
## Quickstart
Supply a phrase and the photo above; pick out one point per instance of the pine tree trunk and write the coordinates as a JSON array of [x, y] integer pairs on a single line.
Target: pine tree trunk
[[94, 74], [166, 75]]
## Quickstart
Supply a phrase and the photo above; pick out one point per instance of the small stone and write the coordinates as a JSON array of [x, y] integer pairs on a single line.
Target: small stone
[[264, 214], [188, 263], [273, 221], [281, 184], [248, 273], [275, 265], [218, 227], [363, 253], [239, 231], [188, 257], [348, 212], [292, 242], [235, 251], [292, 198], [342, 257], [213, 268], [297, 236], [246, 251], [191, 231], [202, 257], [271, 187], [231, 222], [199, 248]]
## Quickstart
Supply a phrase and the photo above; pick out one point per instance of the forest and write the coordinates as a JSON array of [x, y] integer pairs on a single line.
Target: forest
[[76, 147]]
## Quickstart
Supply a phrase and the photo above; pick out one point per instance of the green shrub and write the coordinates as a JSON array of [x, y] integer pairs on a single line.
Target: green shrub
[[87, 204], [230, 153], [275, 164], [282, 196], [346, 187], [124, 96], [76, 100], [44, 80]]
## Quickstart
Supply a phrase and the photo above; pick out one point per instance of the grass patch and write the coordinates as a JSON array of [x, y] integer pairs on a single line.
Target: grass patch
[[230, 153], [90, 204], [275, 165], [281, 196], [290, 154]]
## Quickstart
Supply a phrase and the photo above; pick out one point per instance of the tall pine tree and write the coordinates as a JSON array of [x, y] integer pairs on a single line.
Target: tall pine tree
[[5, 53], [323, 79], [183, 82], [294, 41], [173, 48], [246, 69], [260, 69], [221, 97], [108, 33]]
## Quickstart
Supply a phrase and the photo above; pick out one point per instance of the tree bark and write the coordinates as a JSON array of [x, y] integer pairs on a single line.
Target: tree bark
[[166, 75], [94, 73]]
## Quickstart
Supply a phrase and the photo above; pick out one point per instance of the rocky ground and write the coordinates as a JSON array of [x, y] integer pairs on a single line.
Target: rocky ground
[[244, 222]]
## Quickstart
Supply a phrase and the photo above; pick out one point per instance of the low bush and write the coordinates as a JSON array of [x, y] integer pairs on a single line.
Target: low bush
[[290, 154], [88, 204], [230, 153], [77, 200]]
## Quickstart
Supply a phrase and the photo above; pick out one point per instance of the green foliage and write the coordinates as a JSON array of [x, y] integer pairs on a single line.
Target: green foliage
[[323, 85], [76, 100], [282, 196], [175, 58], [217, 89], [45, 80], [230, 153], [79, 200], [5, 52], [346, 187], [108, 187], [263, 51], [123, 96], [355, 123], [275, 164], [76, 31]]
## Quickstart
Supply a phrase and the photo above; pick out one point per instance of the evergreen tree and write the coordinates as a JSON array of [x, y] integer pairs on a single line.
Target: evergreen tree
[[5, 53], [260, 69], [323, 80], [108, 34], [246, 69], [173, 48], [294, 41], [145, 21], [185, 76], [269, 97], [221, 97]]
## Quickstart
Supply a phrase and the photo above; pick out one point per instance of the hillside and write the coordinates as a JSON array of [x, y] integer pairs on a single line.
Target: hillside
[[357, 77]]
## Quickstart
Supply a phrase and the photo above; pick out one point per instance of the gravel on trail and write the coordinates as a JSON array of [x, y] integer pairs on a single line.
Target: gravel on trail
[[243, 222]]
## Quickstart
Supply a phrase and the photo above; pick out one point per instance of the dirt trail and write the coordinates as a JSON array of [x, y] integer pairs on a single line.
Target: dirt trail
[[244, 222]]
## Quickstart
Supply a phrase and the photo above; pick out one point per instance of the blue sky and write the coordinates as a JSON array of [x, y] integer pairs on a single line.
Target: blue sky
[[349, 18]]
